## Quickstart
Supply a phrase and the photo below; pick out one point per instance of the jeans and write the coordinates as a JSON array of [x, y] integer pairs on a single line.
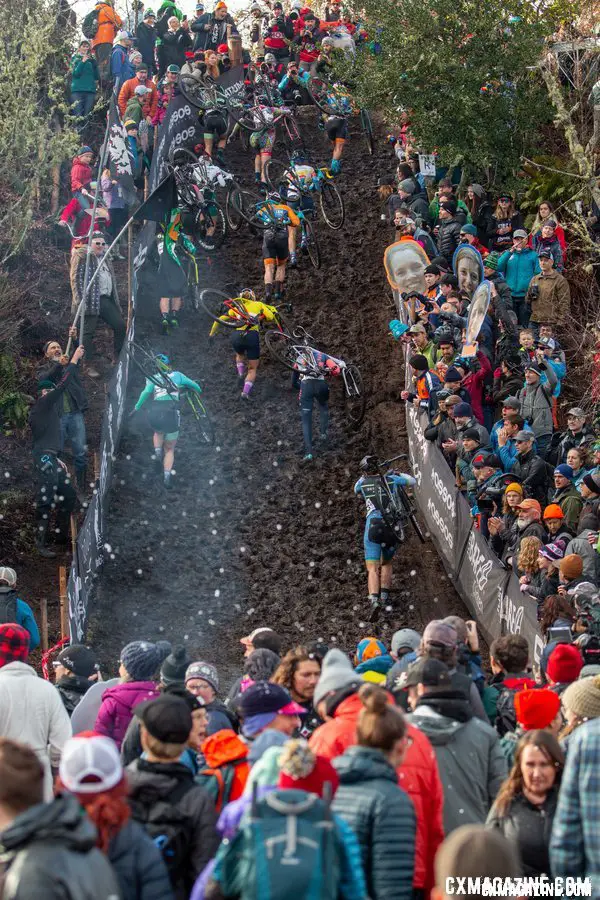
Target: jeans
[[72, 430], [82, 103], [109, 313], [312, 389]]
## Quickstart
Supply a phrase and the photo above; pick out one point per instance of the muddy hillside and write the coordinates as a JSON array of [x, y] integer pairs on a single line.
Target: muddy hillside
[[250, 535]]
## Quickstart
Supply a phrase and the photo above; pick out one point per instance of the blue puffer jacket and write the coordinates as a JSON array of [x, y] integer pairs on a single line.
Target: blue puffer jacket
[[138, 865], [518, 269], [382, 818]]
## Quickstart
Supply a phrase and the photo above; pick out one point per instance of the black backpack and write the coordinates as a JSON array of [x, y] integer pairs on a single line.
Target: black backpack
[[90, 25], [8, 607], [170, 828], [506, 717]]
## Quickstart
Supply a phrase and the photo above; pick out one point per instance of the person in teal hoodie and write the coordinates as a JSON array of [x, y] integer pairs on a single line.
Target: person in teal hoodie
[[519, 265], [84, 81], [372, 660]]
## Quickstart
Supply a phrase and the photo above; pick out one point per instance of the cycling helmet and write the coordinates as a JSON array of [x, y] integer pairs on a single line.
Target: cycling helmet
[[163, 359], [298, 156], [274, 195], [248, 294], [369, 464]]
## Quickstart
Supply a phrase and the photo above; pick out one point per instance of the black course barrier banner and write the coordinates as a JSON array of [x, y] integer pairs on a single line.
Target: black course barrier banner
[[490, 591]]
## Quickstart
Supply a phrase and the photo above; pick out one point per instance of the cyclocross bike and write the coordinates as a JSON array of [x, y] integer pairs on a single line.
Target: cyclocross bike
[[398, 507]]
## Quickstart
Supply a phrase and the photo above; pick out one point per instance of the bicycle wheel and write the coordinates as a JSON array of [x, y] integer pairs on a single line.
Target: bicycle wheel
[[194, 91], [367, 128], [147, 365], [234, 218], [215, 303], [282, 347], [411, 513], [281, 175], [312, 245], [253, 209], [355, 399], [210, 226], [201, 417], [332, 205], [319, 91], [242, 115]]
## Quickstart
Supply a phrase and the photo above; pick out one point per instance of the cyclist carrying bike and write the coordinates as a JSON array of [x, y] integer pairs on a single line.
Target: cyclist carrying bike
[[171, 274], [383, 527], [262, 139], [163, 414], [245, 340], [311, 369], [281, 221], [305, 179], [335, 122], [214, 123]]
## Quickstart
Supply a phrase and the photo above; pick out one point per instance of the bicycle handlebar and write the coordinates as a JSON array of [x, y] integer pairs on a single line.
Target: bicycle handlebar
[[386, 462]]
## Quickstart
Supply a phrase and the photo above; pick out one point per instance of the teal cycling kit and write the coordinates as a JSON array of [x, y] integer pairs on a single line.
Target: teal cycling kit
[[369, 487], [164, 409]]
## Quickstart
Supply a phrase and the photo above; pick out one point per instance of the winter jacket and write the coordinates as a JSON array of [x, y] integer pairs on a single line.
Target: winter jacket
[[531, 470], [224, 747], [507, 544], [529, 827], [84, 75], [484, 437], [536, 403], [108, 24], [220, 717], [13, 609], [139, 865], [448, 238], [553, 301], [382, 818], [74, 390], [571, 502], [502, 242], [215, 35], [553, 245], [149, 103], [32, 713], [49, 852], [591, 559], [118, 705], [172, 47], [121, 69], [472, 766], [474, 383], [442, 429], [44, 418], [417, 204], [518, 268], [161, 779], [71, 689], [570, 441], [418, 776], [481, 218], [462, 211], [145, 41], [81, 175], [516, 681], [77, 276]]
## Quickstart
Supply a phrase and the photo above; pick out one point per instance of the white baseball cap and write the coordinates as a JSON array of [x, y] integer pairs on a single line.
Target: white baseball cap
[[8, 576], [90, 765]]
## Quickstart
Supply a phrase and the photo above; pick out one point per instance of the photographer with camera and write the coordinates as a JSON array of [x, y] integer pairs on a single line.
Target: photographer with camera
[[278, 35], [294, 85], [308, 43]]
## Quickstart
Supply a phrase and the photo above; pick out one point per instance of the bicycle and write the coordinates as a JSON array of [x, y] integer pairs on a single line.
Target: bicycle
[[399, 508], [281, 176], [158, 373], [325, 99], [295, 351], [218, 304], [197, 199]]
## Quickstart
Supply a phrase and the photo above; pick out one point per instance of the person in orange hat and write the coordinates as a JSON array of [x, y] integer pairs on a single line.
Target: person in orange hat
[[554, 521], [528, 524], [535, 709]]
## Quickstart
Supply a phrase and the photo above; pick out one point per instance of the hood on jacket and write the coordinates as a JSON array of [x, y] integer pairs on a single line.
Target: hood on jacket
[[63, 820], [162, 778], [517, 682], [358, 764], [222, 747], [380, 664], [440, 718]]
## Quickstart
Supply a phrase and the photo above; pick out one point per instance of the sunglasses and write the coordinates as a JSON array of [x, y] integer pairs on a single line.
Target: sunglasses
[[99, 243]]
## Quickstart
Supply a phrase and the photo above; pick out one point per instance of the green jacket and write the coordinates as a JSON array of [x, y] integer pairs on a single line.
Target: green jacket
[[133, 111], [84, 75], [434, 210], [571, 502]]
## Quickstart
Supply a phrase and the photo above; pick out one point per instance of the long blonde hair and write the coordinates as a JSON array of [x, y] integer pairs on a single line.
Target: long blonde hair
[[528, 561]]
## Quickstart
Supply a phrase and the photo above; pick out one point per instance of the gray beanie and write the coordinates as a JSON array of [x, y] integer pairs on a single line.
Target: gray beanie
[[408, 186], [477, 190], [143, 659], [336, 673]]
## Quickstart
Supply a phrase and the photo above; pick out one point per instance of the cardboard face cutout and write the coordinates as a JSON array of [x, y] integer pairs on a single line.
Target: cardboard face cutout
[[477, 313], [468, 268], [405, 263]]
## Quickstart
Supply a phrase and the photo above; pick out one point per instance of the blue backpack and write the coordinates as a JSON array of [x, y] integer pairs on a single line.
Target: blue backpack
[[287, 846]]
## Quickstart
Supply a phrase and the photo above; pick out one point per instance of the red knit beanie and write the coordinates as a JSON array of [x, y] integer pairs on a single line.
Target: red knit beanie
[[14, 643], [564, 664], [303, 770], [536, 708]]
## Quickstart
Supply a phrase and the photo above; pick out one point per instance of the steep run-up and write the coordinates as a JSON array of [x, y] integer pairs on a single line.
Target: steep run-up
[[249, 535]]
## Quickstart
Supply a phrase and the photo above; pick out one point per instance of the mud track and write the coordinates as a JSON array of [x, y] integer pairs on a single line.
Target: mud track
[[249, 535]]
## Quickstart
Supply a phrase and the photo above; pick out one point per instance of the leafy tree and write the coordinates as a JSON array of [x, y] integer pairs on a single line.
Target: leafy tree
[[36, 39], [460, 70]]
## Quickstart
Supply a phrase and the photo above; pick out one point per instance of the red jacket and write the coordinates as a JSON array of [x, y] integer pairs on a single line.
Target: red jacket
[[150, 101], [224, 747], [81, 175], [418, 775], [474, 383]]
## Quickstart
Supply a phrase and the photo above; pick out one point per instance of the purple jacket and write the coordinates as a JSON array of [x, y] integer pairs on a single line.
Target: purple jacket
[[118, 703]]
